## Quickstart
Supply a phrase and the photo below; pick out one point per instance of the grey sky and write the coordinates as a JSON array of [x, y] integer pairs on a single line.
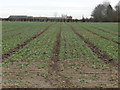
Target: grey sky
[[76, 8]]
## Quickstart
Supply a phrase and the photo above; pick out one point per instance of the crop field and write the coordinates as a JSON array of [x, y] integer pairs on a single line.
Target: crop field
[[59, 55]]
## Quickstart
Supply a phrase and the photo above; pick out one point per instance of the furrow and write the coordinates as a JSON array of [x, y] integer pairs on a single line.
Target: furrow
[[21, 45], [101, 54], [55, 77], [100, 35]]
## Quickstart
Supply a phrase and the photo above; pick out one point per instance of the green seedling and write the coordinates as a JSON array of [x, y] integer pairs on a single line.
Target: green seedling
[[112, 79], [42, 75], [95, 77], [82, 81], [42, 66], [100, 67]]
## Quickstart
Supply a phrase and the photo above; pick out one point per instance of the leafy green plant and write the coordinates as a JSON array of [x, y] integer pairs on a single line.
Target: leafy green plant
[[42, 66], [112, 78], [82, 81], [42, 75], [95, 77], [22, 65], [100, 67]]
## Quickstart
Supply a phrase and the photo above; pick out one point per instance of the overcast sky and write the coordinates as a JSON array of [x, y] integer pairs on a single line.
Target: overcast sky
[[75, 8]]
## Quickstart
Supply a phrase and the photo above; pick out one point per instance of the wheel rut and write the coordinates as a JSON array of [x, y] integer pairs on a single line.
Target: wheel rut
[[55, 78]]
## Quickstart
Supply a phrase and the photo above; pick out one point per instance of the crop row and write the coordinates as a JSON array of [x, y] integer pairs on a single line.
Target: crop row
[[39, 48], [21, 35], [108, 46], [11, 26], [110, 27], [73, 48], [101, 33]]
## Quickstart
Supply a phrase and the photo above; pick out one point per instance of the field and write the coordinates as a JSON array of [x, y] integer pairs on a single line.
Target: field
[[59, 55]]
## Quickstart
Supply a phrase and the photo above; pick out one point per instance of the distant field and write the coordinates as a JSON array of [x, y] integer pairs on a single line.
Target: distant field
[[60, 54]]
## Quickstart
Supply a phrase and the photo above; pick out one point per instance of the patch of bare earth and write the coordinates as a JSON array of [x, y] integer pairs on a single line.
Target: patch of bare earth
[[31, 74], [90, 74], [34, 74]]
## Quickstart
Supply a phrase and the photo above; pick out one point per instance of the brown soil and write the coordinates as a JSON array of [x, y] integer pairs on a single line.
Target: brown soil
[[80, 73], [21, 45], [83, 74], [101, 54], [101, 36], [31, 76]]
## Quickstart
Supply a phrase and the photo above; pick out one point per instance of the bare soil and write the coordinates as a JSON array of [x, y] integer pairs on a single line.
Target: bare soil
[[81, 74], [31, 75]]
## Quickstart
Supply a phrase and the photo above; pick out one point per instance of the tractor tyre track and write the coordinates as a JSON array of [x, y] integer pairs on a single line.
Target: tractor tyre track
[[101, 36], [21, 45], [55, 78], [101, 54]]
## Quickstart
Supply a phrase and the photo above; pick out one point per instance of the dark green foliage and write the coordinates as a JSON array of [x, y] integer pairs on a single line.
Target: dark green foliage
[[105, 13]]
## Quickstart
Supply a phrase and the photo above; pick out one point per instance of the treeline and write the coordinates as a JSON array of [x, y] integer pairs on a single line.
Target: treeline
[[105, 13]]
